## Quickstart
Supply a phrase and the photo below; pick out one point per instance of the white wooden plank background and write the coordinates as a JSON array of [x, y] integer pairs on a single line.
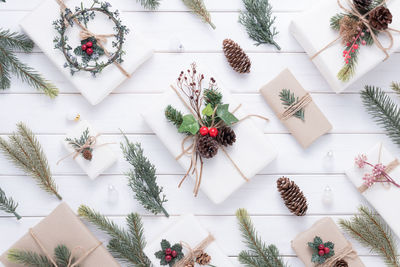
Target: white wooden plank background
[[353, 130]]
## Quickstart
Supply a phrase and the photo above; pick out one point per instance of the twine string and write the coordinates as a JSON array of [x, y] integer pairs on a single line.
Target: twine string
[[193, 253], [295, 107], [347, 251]]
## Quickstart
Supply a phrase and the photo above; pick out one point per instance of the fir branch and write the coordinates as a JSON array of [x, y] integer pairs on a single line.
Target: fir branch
[[8, 204], [149, 4], [24, 150], [124, 245], [213, 97], [259, 22], [142, 179], [259, 253], [15, 41], [288, 98], [5, 76], [174, 116], [198, 7], [335, 21], [371, 231], [395, 87], [383, 111]]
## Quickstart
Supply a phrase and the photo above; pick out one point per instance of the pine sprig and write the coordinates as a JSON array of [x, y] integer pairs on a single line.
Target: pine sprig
[[395, 87], [124, 245], [371, 231], [288, 98], [16, 41], [383, 110], [259, 253], [213, 97], [259, 22], [142, 179], [174, 116], [149, 4], [25, 151], [8, 204], [198, 7]]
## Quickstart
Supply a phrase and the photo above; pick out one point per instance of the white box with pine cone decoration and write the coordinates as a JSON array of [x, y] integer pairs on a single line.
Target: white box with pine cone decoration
[[93, 156], [313, 31], [232, 165], [137, 50], [184, 236]]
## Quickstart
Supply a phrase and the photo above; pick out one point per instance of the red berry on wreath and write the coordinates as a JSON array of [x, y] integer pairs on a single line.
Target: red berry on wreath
[[213, 132], [326, 250], [174, 254], [89, 51], [204, 130], [168, 258], [84, 47], [168, 251], [89, 44], [321, 247], [321, 253]]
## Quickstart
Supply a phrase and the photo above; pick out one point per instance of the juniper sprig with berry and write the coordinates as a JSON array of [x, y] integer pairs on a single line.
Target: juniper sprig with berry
[[78, 143]]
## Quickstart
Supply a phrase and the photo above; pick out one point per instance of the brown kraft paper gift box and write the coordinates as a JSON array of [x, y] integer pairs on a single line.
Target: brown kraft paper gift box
[[315, 123], [63, 227]]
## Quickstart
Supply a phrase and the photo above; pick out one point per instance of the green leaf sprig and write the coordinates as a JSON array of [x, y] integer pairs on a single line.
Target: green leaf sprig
[[288, 98], [317, 246]]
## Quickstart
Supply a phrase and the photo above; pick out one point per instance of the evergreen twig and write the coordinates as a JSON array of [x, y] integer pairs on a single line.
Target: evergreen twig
[[142, 179], [259, 253], [25, 151], [198, 7], [174, 116], [149, 4], [371, 231], [395, 87], [259, 22], [8, 204], [213, 97], [288, 98], [383, 110], [124, 245]]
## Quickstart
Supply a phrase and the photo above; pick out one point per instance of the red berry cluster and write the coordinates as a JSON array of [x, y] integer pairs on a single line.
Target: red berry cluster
[[213, 132], [322, 250], [88, 48], [170, 254], [353, 46]]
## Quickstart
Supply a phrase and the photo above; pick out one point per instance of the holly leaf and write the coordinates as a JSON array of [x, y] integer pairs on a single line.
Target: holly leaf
[[165, 244], [315, 257], [189, 125], [224, 114], [208, 110], [177, 248], [329, 245], [159, 254], [318, 240], [312, 245]]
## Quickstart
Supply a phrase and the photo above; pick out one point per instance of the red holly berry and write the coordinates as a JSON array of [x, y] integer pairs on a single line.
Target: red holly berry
[[321, 253], [326, 250], [204, 130], [89, 44], [174, 253], [213, 132], [168, 258], [84, 47], [321, 247], [89, 51], [168, 251]]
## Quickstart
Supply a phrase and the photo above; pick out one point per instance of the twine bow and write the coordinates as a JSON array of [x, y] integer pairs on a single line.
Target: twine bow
[[101, 38], [363, 18], [347, 251], [192, 254], [295, 107], [70, 264]]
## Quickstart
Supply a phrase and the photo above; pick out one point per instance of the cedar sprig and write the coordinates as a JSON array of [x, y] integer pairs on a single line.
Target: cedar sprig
[[10, 43], [7, 204], [258, 253], [395, 87], [142, 178], [77, 143], [149, 4], [212, 96], [259, 22], [173, 115], [371, 231], [27, 258], [198, 7], [125, 245], [383, 110], [288, 98], [25, 151]]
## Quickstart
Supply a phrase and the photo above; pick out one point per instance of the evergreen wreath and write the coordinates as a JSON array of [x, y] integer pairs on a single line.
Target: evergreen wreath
[[89, 59]]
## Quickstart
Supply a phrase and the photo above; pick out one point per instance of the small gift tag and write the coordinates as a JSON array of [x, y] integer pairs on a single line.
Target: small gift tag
[[295, 108]]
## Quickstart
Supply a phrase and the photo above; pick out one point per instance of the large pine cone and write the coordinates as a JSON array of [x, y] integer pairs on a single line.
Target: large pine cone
[[380, 18], [293, 196], [207, 146], [340, 263], [87, 154], [362, 5], [226, 136], [236, 57], [203, 259]]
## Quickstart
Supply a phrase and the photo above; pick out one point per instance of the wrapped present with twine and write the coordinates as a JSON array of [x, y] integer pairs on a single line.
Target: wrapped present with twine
[[63, 227]]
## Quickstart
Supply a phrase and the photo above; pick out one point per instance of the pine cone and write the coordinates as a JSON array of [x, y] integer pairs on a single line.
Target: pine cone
[[226, 136], [380, 18], [349, 28], [340, 263], [87, 154], [207, 146], [294, 199], [203, 259], [236, 57], [191, 264], [362, 5]]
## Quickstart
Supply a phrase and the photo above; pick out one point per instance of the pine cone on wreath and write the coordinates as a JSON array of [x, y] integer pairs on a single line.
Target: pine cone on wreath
[[293, 197], [236, 56], [340, 263], [362, 5], [203, 259], [380, 18], [87, 154], [226, 136], [207, 146]]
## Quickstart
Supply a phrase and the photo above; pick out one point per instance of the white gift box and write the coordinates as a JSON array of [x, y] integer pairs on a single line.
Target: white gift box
[[251, 152], [187, 229], [39, 26], [103, 156], [380, 195], [312, 30]]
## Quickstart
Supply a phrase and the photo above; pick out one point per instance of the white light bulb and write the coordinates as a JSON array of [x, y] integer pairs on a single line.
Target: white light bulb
[[327, 197], [112, 194]]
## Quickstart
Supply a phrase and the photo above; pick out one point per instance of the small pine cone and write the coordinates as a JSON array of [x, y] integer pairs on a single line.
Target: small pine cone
[[294, 199], [203, 259], [236, 57], [207, 146], [340, 263], [380, 18], [191, 264], [87, 154], [226, 136], [362, 5], [349, 28]]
